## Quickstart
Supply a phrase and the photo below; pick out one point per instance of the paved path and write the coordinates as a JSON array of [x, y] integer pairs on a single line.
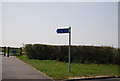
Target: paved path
[[13, 68]]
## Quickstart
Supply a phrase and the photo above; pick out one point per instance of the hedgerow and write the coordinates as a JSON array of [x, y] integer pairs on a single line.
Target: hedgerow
[[79, 54]]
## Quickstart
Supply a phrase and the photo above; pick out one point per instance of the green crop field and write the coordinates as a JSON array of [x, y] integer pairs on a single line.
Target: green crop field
[[59, 70]]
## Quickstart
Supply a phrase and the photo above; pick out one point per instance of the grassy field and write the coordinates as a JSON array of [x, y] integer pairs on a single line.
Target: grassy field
[[59, 70]]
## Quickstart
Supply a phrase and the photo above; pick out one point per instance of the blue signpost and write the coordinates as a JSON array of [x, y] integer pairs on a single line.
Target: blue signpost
[[66, 30], [14, 51]]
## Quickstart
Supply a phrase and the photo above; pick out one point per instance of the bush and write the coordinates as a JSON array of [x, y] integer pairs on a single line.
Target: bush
[[79, 54]]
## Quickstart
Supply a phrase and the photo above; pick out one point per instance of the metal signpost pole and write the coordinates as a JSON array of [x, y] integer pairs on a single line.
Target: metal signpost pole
[[67, 30], [69, 67]]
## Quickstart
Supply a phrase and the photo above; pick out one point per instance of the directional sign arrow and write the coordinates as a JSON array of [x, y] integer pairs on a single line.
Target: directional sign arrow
[[66, 30]]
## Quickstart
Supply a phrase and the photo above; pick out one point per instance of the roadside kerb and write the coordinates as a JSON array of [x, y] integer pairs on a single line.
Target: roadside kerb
[[93, 78]]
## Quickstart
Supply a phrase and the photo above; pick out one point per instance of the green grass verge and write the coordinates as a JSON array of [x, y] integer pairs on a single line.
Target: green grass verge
[[59, 70], [17, 54]]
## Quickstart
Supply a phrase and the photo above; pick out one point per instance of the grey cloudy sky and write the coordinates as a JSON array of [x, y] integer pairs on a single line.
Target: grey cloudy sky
[[93, 23]]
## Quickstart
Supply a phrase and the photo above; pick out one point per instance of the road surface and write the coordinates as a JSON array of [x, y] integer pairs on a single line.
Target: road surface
[[13, 68]]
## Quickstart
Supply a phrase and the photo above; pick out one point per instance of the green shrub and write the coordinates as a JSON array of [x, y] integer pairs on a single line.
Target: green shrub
[[79, 54]]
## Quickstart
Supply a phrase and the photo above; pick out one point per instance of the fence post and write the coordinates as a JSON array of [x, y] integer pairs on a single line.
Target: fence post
[[4, 50], [8, 52], [20, 51]]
